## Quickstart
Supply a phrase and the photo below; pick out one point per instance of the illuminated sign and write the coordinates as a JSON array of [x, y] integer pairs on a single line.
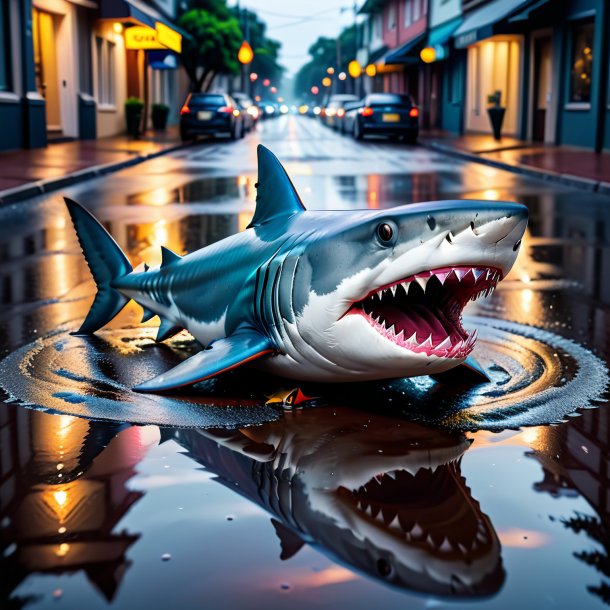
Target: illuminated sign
[[141, 37], [168, 37]]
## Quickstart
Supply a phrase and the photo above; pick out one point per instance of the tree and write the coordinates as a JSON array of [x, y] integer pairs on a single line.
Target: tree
[[215, 38], [266, 50]]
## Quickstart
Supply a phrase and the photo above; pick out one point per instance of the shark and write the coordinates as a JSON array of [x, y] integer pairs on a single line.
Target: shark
[[403, 516], [315, 295]]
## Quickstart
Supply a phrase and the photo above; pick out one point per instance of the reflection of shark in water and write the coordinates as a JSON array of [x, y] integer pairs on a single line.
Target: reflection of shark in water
[[380, 495]]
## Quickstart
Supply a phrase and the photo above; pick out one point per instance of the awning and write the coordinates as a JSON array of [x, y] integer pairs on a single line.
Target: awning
[[137, 12], [377, 53], [479, 24], [525, 14], [442, 33], [401, 55]]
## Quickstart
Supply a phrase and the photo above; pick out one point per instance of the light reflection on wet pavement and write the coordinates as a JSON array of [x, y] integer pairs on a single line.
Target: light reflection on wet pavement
[[366, 507]]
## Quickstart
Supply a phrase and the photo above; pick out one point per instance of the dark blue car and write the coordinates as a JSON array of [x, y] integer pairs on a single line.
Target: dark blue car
[[210, 114]]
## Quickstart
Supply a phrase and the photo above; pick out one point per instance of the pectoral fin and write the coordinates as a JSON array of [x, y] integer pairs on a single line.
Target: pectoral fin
[[220, 356], [469, 372], [291, 542]]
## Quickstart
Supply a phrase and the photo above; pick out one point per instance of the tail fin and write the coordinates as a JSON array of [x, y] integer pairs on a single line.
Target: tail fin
[[107, 263]]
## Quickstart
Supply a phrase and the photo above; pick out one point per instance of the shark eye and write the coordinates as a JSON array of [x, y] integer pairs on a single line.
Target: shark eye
[[384, 568], [385, 232]]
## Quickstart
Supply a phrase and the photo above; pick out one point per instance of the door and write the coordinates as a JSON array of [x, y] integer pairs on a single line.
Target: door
[[542, 87], [45, 66]]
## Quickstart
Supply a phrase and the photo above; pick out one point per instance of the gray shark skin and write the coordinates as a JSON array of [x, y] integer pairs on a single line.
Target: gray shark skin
[[316, 295], [403, 516]]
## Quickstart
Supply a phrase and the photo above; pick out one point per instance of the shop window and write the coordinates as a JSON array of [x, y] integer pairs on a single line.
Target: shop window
[[106, 57], [5, 55], [377, 26], [392, 16], [408, 17], [581, 65]]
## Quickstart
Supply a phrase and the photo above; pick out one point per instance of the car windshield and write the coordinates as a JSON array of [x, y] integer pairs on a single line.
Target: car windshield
[[389, 98], [208, 98]]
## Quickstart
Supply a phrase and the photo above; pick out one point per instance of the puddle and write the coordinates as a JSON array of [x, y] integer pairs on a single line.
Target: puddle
[[537, 378]]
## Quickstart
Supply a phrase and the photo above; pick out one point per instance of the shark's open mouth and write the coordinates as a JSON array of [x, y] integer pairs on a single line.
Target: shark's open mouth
[[423, 313], [430, 508]]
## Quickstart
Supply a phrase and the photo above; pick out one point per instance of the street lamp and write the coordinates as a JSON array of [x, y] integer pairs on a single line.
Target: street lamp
[[266, 82], [315, 90], [371, 70], [342, 75], [354, 68], [273, 89], [330, 70], [327, 82], [253, 76], [245, 55]]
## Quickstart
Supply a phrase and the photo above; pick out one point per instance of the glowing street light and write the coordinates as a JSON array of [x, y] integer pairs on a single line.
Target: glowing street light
[[315, 90], [327, 82], [371, 70], [266, 82], [428, 55], [253, 76], [330, 70], [273, 89], [342, 75], [245, 55], [354, 68]]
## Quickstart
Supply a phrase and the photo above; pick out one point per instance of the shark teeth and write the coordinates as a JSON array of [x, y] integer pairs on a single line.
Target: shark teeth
[[456, 285]]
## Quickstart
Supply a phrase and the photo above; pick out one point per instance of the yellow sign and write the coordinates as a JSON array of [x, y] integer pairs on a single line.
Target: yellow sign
[[142, 37], [168, 37]]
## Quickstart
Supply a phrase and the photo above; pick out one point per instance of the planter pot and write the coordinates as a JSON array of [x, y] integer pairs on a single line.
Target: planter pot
[[159, 117], [496, 118], [134, 121]]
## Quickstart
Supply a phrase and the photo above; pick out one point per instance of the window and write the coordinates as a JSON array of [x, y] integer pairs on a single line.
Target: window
[[377, 26], [5, 54], [105, 71], [416, 10], [581, 62], [391, 16], [408, 18]]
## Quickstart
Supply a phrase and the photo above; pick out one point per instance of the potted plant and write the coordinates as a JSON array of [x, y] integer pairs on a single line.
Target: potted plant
[[134, 108], [496, 113], [159, 115]]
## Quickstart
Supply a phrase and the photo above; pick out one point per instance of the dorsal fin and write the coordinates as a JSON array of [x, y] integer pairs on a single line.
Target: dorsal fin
[[168, 257], [276, 196]]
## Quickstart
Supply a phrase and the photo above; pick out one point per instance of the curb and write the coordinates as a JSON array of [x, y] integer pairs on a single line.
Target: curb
[[41, 187], [524, 170]]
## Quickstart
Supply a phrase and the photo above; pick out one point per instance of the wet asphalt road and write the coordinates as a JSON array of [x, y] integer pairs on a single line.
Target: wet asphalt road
[[93, 513]]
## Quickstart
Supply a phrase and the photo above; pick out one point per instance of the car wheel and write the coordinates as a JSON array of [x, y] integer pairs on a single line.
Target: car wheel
[[233, 133], [184, 136], [411, 140]]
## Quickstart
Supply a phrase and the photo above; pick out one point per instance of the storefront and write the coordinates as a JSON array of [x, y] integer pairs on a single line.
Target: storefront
[[494, 65]]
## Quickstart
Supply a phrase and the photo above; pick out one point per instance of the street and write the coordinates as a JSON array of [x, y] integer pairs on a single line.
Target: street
[[519, 518]]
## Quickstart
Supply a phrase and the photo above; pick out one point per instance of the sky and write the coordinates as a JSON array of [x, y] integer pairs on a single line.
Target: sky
[[297, 24]]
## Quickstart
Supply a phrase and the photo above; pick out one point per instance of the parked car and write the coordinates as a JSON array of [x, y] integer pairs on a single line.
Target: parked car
[[250, 110], [335, 111], [386, 114], [210, 114]]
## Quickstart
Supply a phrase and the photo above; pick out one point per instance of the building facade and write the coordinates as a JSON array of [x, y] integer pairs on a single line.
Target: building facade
[[547, 61], [67, 66]]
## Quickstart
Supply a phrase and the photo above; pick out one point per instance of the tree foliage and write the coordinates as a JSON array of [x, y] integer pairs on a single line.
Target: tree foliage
[[215, 38], [217, 32], [326, 52], [266, 50]]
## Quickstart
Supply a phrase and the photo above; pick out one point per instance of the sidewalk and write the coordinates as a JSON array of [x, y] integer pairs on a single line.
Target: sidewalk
[[26, 173], [576, 167]]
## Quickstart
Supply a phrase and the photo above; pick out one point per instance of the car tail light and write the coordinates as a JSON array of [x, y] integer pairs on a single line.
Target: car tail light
[[323, 112], [185, 110], [226, 109], [340, 112], [414, 113], [367, 111]]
